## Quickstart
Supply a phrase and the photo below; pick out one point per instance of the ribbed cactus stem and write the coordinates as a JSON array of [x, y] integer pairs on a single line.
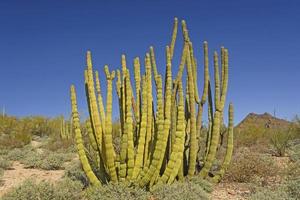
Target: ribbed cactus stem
[[129, 128], [176, 157], [206, 74], [158, 151], [93, 101], [181, 65], [91, 135], [149, 110], [142, 135], [137, 78], [167, 111], [153, 63], [79, 141], [194, 68], [173, 39], [100, 99], [109, 149], [229, 149], [216, 123], [217, 81], [193, 134]]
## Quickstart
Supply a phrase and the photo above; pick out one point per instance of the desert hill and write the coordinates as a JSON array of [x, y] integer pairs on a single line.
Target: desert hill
[[264, 120]]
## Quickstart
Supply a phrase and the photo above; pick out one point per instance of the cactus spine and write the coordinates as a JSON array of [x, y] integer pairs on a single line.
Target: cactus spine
[[160, 135]]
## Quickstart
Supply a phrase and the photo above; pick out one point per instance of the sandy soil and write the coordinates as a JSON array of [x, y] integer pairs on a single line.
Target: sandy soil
[[232, 191], [17, 174]]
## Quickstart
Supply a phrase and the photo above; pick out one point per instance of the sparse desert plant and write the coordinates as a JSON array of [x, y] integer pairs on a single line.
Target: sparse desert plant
[[52, 162], [181, 190], [294, 151], [249, 167], [115, 192], [5, 163], [30, 189], [293, 171], [271, 194], [19, 153], [56, 144], [32, 159], [156, 146], [75, 173], [293, 188], [68, 189], [45, 160], [280, 141]]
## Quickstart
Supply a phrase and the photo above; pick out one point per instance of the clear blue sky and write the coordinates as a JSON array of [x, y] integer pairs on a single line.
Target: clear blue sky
[[43, 45]]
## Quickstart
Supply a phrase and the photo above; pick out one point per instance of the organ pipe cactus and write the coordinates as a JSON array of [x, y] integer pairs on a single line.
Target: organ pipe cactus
[[160, 134], [66, 129]]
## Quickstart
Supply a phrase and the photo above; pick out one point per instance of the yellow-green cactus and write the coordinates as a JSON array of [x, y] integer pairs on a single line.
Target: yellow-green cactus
[[79, 141], [229, 149], [142, 135], [159, 136], [109, 150]]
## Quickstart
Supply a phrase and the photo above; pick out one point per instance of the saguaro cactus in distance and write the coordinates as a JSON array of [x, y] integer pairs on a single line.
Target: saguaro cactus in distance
[[159, 134]]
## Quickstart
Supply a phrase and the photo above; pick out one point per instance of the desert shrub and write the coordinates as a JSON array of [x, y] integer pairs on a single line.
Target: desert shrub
[[52, 162], [19, 153], [204, 184], [4, 152], [13, 132], [15, 140], [32, 159], [4, 163], [252, 135], [45, 160], [247, 167], [76, 173], [280, 141], [294, 151], [293, 171], [68, 189], [57, 144], [271, 194], [116, 192], [30, 189], [180, 190], [293, 188]]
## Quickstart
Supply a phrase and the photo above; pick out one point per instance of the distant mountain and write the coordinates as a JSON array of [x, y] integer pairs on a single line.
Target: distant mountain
[[265, 120]]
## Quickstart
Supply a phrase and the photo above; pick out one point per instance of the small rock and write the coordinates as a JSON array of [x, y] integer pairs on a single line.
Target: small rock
[[232, 192]]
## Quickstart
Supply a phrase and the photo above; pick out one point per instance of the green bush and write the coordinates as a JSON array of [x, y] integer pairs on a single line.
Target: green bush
[[56, 144], [116, 192], [293, 171], [19, 153], [293, 188], [76, 173], [52, 162], [4, 163], [68, 189], [46, 160], [180, 191], [271, 194], [30, 189], [280, 142], [32, 160], [294, 151]]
